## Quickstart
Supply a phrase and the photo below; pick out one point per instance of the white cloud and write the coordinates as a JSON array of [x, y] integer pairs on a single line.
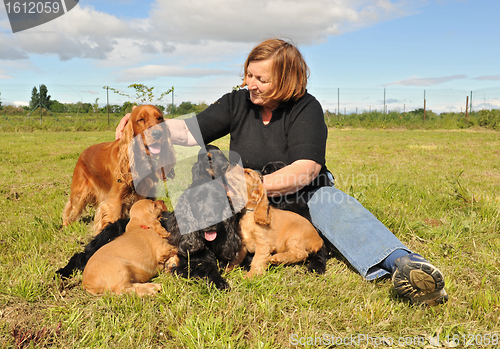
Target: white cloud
[[20, 103], [250, 21], [153, 71], [416, 81], [196, 30], [488, 77], [9, 68]]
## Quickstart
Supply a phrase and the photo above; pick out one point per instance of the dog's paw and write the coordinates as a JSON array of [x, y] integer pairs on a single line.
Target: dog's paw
[[275, 261], [147, 289], [219, 282], [171, 263], [222, 285]]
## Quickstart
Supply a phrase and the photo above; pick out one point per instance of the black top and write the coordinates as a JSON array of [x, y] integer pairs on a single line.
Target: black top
[[297, 130]]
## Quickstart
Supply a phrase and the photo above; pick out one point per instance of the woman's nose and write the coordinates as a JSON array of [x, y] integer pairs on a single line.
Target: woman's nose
[[251, 82]]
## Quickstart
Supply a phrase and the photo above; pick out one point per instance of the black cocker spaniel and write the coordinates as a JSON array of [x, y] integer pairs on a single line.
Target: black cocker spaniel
[[207, 227]]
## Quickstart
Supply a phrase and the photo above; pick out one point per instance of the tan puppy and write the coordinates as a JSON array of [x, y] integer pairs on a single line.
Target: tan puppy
[[127, 263], [275, 236]]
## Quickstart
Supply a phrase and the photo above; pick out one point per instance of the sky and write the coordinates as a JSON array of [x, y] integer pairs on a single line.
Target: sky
[[363, 54]]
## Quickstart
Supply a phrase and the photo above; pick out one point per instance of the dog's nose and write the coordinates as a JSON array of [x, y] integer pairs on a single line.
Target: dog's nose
[[156, 134]]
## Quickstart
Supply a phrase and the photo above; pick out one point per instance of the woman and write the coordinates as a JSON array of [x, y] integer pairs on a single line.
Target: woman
[[275, 119]]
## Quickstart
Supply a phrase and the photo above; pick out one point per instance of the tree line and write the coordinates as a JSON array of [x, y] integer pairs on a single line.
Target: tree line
[[40, 98]]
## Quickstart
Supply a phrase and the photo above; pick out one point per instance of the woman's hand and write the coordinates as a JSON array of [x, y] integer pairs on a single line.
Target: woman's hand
[[178, 130], [121, 126], [291, 178]]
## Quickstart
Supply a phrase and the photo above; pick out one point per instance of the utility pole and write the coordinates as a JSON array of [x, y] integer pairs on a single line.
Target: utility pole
[[424, 105], [39, 91], [338, 103], [172, 101], [466, 108], [470, 102], [107, 100], [384, 102]]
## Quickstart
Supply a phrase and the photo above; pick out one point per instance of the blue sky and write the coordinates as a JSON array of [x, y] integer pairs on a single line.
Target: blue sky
[[440, 49]]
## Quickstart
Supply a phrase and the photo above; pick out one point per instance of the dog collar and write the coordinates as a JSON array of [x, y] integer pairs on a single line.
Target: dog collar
[[144, 227]]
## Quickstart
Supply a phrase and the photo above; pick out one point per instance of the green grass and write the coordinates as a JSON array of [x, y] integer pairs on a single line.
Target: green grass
[[438, 191]]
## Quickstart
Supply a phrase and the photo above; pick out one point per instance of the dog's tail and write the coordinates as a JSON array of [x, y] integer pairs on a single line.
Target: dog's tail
[[317, 261], [79, 260]]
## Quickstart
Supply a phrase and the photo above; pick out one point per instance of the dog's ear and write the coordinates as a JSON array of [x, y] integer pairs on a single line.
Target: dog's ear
[[232, 243], [125, 163], [159, 206], [158, 228], [168, 158], [262, 214], [196, 170]]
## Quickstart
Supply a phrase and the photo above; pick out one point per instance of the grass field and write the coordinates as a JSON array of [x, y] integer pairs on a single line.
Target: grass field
[[438, 191]]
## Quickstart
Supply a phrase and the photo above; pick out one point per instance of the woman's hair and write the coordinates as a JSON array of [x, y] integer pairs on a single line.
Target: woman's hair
[[289, 70]]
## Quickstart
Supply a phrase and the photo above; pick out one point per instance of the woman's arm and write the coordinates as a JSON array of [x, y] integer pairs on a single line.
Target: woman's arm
[[178, 130], [291, 178], [180, 133]]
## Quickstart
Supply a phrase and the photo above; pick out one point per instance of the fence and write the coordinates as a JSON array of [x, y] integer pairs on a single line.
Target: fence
[[335, 100], [350, 101]]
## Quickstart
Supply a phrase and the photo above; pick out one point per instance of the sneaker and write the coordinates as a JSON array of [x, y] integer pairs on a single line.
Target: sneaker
[[415, 278]]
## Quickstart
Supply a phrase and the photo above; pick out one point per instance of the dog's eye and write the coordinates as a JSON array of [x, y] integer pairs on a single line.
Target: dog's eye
[[140, 120]]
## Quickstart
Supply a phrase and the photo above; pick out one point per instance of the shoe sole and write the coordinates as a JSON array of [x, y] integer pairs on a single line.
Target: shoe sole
[[421, 282]]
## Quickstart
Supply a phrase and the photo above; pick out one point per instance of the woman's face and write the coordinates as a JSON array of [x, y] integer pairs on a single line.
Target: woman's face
[[259, 81]]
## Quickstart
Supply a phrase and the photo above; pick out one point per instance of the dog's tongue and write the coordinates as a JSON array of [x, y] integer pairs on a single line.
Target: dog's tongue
[[210, 235], [155, 149]]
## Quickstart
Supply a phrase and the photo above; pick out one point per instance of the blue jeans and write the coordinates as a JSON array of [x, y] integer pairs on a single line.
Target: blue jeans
[[356, 233]]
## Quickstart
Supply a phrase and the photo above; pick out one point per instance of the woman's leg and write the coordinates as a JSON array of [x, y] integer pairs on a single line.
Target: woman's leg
[[358, 235], [371, 248]]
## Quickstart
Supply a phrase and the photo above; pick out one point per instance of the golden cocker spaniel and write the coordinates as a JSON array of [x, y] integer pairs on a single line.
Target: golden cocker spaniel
[[114, 175]]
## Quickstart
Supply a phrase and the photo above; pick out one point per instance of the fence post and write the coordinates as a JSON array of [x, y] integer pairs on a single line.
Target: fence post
[[384, 102], [466, 108], [172, 101], [338, 102], [107, 100], [425, 101], [39, 89]]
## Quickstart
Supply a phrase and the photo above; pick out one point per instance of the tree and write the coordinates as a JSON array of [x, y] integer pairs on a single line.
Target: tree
[[44, 97], [1, 101], [143, 93], [86, 107], [201, 107], [57, 107], [95, 106], [40, 99], [35, 98], [186, 108], [127, 107]]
